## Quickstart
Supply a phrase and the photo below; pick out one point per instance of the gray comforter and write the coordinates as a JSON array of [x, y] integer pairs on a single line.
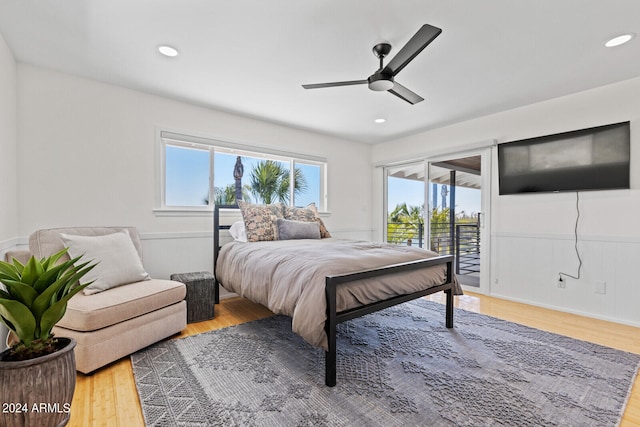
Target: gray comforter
[[288, 277]]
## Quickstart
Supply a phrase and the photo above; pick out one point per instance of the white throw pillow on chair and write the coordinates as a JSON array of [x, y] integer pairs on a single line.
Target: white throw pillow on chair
[[118, 262]]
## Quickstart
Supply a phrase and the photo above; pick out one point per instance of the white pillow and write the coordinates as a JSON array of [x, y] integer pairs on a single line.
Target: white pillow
[[117, 258], [238, 231]]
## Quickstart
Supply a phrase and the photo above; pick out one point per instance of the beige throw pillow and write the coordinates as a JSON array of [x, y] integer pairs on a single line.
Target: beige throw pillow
[[117, 258]]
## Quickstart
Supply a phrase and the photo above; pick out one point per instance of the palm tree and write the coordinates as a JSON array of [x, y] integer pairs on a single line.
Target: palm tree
[[404, 222], [441, 241], [227, 195], [270, 182]]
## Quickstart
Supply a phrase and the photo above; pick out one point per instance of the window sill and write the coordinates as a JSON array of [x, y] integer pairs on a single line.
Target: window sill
[[203, 212]]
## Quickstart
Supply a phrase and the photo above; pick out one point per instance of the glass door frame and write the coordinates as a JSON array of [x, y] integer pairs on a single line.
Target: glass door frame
[[486, 155]]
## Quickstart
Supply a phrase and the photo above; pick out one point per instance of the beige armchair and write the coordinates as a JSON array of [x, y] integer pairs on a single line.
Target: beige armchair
[[114, 321]]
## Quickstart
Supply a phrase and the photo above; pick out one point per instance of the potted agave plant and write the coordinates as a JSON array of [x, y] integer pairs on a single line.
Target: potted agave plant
[[38, 370]]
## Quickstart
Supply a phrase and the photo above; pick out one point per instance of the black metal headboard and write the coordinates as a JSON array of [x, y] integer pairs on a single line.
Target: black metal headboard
[[216, 229], [216, 238]]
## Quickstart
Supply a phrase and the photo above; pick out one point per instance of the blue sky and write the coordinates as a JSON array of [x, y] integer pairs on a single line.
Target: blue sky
[[187, 172]]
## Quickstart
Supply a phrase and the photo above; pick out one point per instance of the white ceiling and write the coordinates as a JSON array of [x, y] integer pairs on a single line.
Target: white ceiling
[[252, 56]]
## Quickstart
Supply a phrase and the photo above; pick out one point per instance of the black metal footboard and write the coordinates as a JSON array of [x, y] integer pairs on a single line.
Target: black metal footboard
[[334, 317]]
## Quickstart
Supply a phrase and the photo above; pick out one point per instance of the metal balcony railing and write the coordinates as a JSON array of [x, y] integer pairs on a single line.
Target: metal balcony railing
[[464, 245], [467, 248]]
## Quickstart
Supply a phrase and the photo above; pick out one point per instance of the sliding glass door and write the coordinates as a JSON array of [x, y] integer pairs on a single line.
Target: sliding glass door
[[442, 204]]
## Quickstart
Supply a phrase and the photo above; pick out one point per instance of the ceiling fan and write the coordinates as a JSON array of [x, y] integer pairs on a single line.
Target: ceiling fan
[[383, 78]]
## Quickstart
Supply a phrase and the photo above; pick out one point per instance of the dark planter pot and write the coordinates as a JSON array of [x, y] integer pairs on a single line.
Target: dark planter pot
[[38, 392]]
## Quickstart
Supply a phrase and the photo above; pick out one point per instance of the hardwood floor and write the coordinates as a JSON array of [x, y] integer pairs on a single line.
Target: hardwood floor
[[109, 396]]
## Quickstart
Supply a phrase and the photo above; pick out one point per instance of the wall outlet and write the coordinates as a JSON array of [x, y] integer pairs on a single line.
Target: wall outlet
[[562, 283], [600, 287]]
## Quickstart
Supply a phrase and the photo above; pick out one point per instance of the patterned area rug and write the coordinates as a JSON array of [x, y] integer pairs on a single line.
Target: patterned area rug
[[397, 367]]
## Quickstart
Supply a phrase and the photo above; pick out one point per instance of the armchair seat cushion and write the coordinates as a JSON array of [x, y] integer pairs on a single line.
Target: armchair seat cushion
[[92, 312]]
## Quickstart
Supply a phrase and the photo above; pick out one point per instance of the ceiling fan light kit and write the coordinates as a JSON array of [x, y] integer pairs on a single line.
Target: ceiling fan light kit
[[380, 82], [383, 78]]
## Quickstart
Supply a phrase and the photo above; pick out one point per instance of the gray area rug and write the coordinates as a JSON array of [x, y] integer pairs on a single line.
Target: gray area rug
[[397, 367]]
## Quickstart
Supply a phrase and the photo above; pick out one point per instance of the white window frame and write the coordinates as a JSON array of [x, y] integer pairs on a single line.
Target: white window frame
[[165, 138]]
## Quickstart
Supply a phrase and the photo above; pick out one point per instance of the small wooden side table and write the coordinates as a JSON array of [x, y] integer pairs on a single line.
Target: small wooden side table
[[200, 294]]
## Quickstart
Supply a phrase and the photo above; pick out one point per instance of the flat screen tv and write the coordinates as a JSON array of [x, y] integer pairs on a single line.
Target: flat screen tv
[[588, 159]]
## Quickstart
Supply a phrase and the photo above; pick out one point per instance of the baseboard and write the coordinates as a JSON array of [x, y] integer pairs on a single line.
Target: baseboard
[[567, 310]]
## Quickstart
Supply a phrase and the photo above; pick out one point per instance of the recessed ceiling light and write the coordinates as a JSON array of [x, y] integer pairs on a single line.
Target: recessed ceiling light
[[617, 41], [380, 120], [168, 50]]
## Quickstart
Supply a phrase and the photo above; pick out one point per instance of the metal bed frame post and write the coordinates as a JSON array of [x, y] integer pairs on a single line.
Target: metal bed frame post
[[334, 317], [330, 327], [449, 294]]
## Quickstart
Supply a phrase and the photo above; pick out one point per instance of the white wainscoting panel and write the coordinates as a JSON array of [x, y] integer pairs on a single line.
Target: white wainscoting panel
[[526, 269], [168, 253]]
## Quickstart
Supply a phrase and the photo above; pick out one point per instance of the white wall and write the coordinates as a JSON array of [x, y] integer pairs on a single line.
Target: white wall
[[8, 141], [87, 156], [8, 174], [532, 235]]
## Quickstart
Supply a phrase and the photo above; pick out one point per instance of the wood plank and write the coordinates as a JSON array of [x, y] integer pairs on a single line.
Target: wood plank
[[109, 396]]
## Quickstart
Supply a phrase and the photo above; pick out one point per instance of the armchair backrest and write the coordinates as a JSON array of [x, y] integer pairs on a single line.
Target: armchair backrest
[[43, 243]]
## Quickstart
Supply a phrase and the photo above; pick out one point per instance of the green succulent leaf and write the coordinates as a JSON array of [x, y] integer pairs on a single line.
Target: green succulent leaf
[[20, 292], [50, 276], [50, 295], [54, 313], [53, 259], [82, 269], [7, 322], [18, 266], [8, 271], [23, 322], [32, 270]]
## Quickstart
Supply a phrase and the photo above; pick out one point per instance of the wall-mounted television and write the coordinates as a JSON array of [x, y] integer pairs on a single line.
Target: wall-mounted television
[[588, 159]]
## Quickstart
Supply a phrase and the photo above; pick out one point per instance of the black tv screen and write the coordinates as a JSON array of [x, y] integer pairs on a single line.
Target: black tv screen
[[589, 159]]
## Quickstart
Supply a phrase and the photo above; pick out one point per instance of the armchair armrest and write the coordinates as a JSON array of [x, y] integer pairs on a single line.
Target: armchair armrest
[[21, 255]]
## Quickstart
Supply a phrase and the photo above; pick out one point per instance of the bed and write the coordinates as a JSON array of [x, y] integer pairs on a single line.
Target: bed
[[323, 282]]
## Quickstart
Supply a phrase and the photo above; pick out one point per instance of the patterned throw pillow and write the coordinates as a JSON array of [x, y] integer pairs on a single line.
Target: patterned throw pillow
[[260, 220], [307, 214]]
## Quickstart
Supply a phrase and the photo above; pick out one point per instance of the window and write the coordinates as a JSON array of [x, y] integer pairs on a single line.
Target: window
[[265, 176], [186, 176]]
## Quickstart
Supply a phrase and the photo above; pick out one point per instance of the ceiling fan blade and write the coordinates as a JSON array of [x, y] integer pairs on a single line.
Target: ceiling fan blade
[[347, 83], [404, 93], [425, 35]]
